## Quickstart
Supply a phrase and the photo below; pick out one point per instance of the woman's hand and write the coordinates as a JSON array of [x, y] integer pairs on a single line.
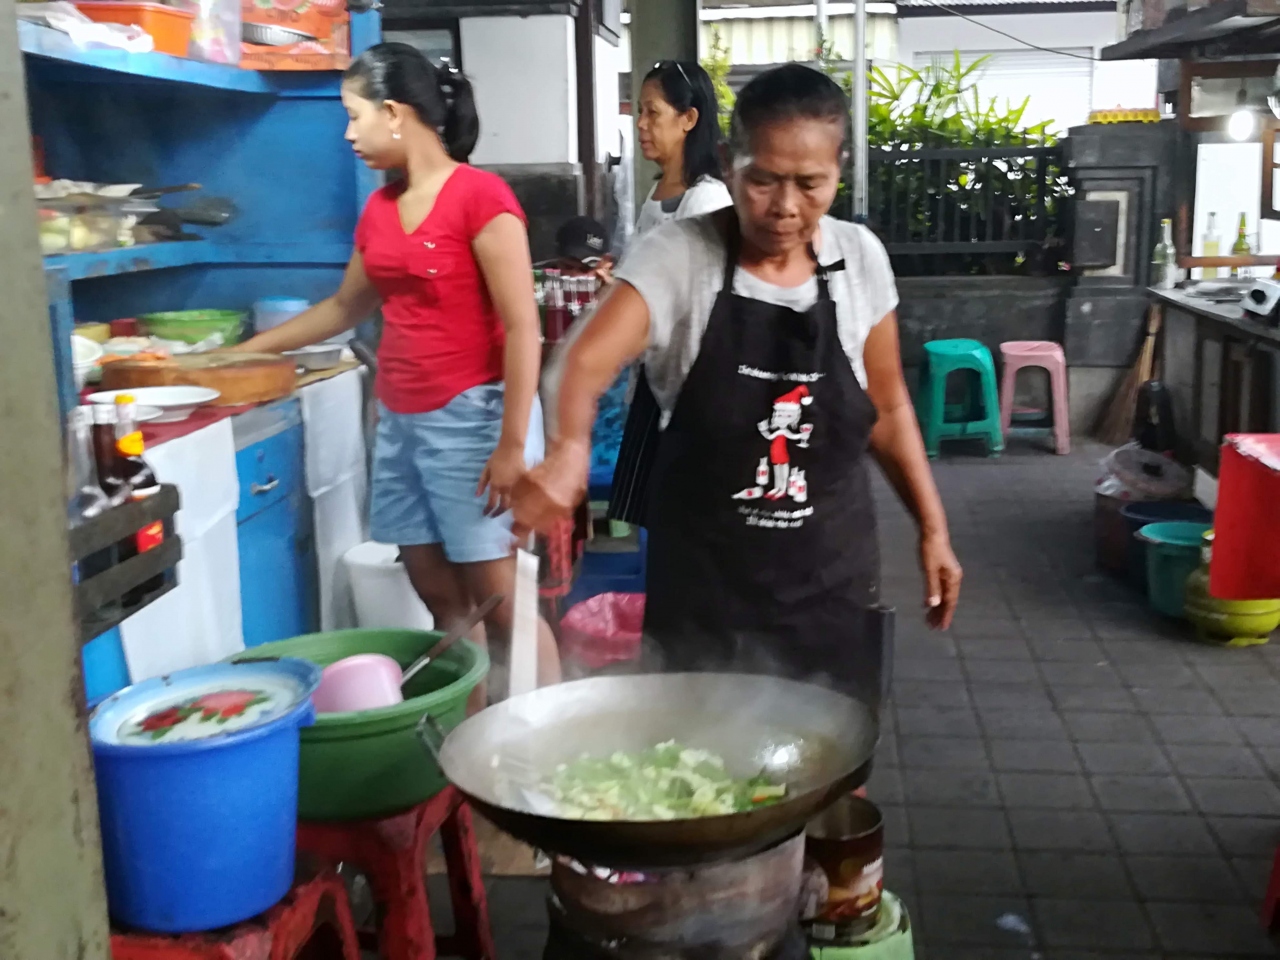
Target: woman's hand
[[551, 491], [500, 475], [942, 576]]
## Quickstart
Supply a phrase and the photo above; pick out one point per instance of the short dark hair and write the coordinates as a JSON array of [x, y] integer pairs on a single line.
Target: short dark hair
[[788, 92], [442, 98], [686, 86]]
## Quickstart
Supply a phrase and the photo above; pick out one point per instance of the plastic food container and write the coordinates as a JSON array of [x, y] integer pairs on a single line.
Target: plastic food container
[[358, 766], [363, 682], [192, 326], [197, 792], [270, 312], [169, 27]]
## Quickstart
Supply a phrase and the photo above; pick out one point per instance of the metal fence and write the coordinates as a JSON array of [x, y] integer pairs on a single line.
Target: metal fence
[[975, 200]]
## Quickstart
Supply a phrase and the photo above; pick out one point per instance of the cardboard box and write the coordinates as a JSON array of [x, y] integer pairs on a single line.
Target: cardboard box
[[310, 35]]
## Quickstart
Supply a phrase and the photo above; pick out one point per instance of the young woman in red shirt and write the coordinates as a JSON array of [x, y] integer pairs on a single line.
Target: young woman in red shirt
[[445, 254]]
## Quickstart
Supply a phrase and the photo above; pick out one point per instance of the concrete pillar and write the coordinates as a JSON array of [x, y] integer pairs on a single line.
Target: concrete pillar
[[660, 30], [52, 904]]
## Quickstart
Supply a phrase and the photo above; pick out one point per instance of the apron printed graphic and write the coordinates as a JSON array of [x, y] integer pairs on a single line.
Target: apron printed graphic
[[776, 478]]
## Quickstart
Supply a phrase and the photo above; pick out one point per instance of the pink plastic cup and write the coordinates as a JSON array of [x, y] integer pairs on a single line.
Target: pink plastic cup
[[363, 682]]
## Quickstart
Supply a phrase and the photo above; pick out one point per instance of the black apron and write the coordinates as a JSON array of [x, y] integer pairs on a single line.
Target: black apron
[[763, 554]]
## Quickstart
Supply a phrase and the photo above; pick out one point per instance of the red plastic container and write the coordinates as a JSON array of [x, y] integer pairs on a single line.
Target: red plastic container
[[169, 27]]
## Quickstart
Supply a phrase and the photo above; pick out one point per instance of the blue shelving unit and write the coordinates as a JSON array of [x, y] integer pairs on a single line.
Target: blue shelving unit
[[269, 141]]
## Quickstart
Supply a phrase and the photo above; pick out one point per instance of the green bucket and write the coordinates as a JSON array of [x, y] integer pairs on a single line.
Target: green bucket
[[1173, 554], [358, 766]]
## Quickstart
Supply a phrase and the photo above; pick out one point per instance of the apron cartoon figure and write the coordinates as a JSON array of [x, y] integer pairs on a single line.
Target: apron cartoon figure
[[783, 425]]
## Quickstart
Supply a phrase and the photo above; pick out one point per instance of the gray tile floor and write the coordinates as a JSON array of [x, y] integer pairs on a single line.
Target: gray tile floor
[[1064, 775]]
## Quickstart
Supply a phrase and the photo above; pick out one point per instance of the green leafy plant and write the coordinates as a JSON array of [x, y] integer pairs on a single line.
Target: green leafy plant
[[954, 192], [717, 64]]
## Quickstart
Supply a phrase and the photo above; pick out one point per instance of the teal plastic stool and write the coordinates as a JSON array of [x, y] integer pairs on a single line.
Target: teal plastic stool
[[982, 419]]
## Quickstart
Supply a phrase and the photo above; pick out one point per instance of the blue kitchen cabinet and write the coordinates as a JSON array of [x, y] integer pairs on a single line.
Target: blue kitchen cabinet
[[278, 590]]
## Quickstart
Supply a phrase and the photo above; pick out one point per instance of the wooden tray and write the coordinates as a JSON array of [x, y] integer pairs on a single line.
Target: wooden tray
[[241, 378]]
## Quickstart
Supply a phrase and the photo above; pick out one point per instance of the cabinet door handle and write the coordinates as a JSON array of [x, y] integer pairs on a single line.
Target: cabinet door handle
[[258, 489]]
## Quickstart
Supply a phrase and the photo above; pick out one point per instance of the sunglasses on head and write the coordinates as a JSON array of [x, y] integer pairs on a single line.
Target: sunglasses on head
[[663, 64]]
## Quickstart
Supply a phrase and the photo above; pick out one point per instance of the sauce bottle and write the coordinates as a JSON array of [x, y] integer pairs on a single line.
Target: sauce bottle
[[141, 482]]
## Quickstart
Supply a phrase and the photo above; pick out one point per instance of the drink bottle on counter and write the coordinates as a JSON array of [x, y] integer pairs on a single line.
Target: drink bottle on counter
[[142, 484], [1212, 245], [558, 318], [1164, 263], [1241, 247]]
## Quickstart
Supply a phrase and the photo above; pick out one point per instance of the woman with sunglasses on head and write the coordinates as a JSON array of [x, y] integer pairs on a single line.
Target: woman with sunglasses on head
[[679, 130], [445, 254], [770, 340]]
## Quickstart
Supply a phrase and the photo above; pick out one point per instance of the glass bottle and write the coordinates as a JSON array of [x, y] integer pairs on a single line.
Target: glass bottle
[[1212, 246], [85, 498], [1241, 247], [1164, 264], [104, 454]]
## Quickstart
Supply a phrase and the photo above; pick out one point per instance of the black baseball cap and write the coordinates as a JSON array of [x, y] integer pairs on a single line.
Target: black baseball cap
[[582, 239]]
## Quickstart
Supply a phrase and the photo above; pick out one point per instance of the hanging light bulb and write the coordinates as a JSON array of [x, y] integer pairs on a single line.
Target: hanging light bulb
[[1242, 124]]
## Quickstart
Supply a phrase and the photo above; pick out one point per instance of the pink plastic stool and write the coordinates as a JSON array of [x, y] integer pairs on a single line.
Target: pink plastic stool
[[1037, 353]]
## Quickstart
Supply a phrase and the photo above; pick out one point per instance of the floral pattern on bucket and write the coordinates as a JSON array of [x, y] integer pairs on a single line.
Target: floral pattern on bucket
[[224, 709]]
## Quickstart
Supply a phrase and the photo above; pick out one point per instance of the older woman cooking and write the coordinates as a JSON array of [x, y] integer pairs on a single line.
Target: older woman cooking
[[769, 335]]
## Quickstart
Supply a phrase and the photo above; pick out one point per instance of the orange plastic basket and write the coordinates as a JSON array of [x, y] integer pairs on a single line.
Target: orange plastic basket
[[169, 27]]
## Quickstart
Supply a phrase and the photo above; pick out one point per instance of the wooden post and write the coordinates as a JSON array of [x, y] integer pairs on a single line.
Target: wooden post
[[52, 905]]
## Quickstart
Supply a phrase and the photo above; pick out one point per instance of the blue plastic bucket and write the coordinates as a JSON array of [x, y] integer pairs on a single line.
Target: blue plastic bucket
[[199, 833], [1138, 515]]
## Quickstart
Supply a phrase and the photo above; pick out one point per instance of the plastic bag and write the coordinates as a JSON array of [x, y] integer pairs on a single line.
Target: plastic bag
[[604, 629], [215, 32], [1132, 473], [85, 33]]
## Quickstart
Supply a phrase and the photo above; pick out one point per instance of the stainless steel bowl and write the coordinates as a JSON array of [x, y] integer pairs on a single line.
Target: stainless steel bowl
[[270, 36], [319, 356]]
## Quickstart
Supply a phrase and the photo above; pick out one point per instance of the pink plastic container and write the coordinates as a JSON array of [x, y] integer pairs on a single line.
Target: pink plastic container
[[363, 682]]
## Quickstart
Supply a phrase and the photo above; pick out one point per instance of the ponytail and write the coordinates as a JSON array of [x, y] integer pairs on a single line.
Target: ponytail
[[442, 98], [461, 122]]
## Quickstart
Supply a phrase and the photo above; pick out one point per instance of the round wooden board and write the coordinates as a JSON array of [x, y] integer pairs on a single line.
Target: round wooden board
[[241, 378]]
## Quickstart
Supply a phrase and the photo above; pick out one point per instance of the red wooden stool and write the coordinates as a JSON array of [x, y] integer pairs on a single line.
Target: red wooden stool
[[313, 921], [392, 854]]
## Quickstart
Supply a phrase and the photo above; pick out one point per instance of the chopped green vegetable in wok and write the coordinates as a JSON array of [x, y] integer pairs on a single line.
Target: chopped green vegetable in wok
[[667, 782]]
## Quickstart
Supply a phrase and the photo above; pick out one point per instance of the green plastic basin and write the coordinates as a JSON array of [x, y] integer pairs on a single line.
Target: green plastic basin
[[369, 764], [192, 326]]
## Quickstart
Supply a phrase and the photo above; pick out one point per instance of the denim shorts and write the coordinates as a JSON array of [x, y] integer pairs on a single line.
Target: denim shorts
[[426, 467]]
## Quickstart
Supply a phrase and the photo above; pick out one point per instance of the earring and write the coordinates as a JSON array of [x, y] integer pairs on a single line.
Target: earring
[[395, 136]]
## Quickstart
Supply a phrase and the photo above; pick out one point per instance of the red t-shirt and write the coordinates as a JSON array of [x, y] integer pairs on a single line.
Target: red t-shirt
[[440, 332]]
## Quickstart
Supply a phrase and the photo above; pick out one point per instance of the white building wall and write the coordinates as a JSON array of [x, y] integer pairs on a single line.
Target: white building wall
[[1109, 84], [779, 39], [526, 88], [611, 62]]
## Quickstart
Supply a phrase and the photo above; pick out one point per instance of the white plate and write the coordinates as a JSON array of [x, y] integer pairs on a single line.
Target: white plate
[[175, 403]]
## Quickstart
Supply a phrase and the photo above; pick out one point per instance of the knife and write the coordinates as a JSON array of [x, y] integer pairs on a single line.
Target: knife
[[524, 623]]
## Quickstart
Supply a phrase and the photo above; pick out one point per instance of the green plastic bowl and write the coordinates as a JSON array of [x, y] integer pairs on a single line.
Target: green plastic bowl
[[192, 326], [1173, 554], [358, 766]]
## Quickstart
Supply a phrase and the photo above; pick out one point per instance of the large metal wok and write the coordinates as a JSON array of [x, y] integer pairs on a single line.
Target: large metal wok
[[818, 742]]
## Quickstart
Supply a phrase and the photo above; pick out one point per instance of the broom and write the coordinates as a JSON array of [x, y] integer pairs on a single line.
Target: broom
[[1116, 425]]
